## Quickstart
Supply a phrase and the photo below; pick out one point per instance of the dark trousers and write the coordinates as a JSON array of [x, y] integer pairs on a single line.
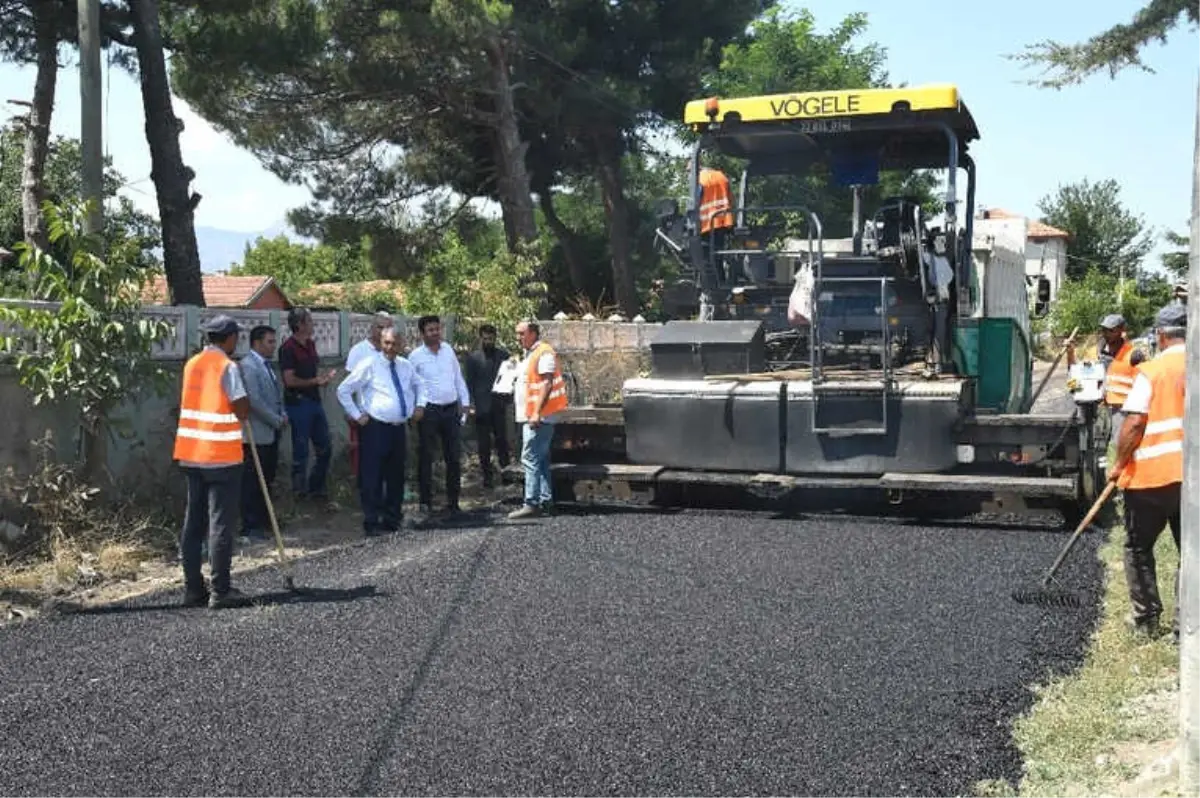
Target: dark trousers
[[492, 427], [212, 508], [439, 421], [308, 422], [1146, 513], [382, 456], [254, 503]]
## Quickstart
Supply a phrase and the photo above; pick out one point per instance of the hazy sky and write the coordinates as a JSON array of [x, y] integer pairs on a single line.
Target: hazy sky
[[1137, 129]]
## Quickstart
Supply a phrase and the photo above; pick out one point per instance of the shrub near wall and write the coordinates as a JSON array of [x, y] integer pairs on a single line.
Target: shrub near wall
[[598, 356]]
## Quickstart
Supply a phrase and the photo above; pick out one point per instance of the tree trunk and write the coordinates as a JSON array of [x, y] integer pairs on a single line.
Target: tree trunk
[[576, 269], [37, 133], [94, 445], [516, 198], [616, 211], [176, 204]]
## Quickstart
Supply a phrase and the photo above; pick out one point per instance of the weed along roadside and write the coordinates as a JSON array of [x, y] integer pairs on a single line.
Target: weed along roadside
[[74, 548], [1109, 728]]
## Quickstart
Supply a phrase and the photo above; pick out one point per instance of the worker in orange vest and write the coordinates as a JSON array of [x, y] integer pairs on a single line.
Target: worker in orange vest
[[208, 445], [1149, 464], [715, 212], [1120, 361], [716, 201], [539, 397]]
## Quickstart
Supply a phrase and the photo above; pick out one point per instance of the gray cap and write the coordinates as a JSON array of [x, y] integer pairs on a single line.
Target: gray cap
[[221, 325], [1112, 321], [1173, 315]]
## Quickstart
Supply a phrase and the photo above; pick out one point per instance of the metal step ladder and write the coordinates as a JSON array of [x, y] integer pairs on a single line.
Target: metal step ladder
[[843, 398]]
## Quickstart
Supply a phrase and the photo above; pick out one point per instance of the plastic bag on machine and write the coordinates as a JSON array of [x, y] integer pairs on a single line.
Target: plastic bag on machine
[[800, 302]]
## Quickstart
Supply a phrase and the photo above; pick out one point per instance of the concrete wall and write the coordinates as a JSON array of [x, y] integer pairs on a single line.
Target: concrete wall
[[598, 357]]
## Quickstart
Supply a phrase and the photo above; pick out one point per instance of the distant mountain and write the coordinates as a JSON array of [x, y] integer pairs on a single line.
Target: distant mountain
[[221, 249]]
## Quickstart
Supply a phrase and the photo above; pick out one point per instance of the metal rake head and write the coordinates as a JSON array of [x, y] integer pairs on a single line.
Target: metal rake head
[[1043, 597]]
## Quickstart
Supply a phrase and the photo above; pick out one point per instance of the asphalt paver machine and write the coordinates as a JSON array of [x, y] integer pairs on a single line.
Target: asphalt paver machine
[[897, 359]]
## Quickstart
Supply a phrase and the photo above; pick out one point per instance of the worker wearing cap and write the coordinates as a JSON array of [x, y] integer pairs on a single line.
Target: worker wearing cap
[[208, 445], [1149, 464], [1120, 359]]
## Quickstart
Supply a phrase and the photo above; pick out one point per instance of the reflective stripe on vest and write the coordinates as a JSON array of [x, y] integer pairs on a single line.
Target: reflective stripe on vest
[[209, 432], [1118, 380], [557, 399], [714, 201], [1158, 459]]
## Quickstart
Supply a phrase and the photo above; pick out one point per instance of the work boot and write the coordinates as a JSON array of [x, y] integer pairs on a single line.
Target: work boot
[[230, 598], [1143, 628], [196, 597]]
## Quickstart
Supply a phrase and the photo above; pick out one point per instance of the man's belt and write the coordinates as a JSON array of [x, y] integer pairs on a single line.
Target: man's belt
[[386, 423]]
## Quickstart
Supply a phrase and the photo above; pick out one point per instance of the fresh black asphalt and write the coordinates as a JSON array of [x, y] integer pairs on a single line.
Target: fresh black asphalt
[[610, 653]]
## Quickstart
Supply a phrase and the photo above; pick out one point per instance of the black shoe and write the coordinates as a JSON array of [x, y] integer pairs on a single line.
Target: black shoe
[[195, 598]]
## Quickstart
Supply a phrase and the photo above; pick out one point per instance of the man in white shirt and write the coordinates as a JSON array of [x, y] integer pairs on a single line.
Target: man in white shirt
[[448, 403], [371, 345], [381, 395]]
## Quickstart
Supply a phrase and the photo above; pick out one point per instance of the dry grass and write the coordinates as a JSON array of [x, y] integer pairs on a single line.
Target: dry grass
[[598, 376], [1098, 730], [71, 535]]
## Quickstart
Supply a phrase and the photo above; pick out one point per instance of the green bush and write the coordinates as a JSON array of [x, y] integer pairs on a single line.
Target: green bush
[[1084, 302]]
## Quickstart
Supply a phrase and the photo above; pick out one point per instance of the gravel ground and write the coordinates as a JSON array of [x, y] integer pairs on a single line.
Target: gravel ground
[[623, 652]]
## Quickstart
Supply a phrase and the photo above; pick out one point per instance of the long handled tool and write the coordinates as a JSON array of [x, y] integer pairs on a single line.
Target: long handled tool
[[1043, 595], [1042, 385], [288, 581]]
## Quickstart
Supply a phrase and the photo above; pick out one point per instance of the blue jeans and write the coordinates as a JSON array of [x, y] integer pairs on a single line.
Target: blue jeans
[[535, 458], [308, 422]]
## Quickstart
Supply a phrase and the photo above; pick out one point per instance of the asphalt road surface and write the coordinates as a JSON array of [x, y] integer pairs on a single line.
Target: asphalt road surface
[[613, 653]]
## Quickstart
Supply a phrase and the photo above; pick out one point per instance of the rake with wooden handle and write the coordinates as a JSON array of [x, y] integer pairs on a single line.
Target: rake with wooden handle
[[1042, 385], [284, 563], [1043, 595]]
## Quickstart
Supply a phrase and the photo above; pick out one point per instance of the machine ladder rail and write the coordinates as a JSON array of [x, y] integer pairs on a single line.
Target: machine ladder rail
[[834, 395]]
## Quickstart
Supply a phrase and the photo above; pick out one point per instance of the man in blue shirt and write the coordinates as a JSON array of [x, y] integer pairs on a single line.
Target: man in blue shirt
[[381, 395]]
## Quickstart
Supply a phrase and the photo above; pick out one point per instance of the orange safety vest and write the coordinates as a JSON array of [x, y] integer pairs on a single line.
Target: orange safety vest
[[715, 202], [1158, 459], [557, 400], [209, 432], [1118, 379]]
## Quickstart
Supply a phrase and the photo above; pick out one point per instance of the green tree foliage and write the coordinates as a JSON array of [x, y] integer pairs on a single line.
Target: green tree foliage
[[1114, 50], [91, 348], [295, 266], [1104, 234], [475, 290], [1084, 301], [130, 236], [1176, 262], [375, 106], [784, 53]]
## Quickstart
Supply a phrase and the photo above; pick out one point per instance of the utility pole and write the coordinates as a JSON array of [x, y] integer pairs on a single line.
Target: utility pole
[[90, 112], [1189, 559]]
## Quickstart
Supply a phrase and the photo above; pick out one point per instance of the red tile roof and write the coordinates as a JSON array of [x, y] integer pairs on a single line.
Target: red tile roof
[[334, 292], [1036, 229], [220, 290], [1043, 230]]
